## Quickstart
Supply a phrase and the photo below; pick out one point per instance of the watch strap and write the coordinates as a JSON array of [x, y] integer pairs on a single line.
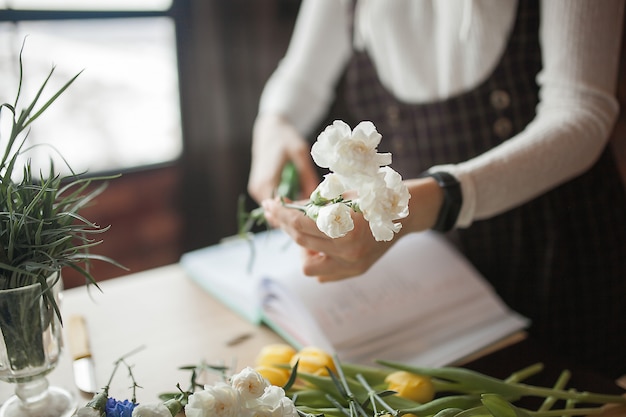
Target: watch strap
[[452, 200]]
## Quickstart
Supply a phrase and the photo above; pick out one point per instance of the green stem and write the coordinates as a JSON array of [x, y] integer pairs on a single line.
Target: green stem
[[471, 381], [295, 206], [525, 373], [374, 398], [580, 396], [560, 384], [22, 327]]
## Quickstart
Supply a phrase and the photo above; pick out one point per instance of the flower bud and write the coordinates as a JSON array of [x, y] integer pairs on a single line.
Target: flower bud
[[328, 190], [411, 386], [312, 360], [89, 412], [275, 354], [269, 361], [99, 400], [312, 211], [275, 376]]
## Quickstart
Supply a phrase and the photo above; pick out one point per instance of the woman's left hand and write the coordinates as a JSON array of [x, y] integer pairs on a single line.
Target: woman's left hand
[[326, 258]]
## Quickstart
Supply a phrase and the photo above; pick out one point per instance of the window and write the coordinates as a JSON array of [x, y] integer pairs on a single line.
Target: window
[[123, 111], [96, 5]]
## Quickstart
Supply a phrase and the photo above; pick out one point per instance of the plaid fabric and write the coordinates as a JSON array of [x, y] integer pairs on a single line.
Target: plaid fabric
[[559, 259]]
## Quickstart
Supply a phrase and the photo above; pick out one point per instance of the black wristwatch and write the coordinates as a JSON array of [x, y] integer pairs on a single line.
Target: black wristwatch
[[452, 200]]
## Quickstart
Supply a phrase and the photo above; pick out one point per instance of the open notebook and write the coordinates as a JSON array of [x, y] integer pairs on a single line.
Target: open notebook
[[421, 303]]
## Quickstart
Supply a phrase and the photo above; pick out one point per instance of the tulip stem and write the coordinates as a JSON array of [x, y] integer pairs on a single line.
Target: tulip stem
[[374, 397]]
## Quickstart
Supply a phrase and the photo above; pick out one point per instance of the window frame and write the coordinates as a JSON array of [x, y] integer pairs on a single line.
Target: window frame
[[175, 12]]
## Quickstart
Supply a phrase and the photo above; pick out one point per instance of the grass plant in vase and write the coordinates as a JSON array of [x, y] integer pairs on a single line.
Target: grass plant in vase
[[41, 232]]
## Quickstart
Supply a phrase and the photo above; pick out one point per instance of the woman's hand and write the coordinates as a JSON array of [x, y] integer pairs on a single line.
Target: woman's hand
[[274, 142], [326, 258], [333, 259]]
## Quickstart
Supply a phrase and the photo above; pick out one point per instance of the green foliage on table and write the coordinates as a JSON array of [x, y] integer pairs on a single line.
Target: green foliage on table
[[41, 230], [360, 391]]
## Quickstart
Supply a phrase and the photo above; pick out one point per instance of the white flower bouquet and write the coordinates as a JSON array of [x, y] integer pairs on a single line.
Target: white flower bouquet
[[356, 169]]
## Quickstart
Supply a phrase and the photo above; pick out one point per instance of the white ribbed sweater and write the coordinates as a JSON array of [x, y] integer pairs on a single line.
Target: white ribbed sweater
[[426, 50]]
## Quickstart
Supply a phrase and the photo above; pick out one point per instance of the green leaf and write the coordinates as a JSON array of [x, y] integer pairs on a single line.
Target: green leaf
[[289, 186], [499, 407]]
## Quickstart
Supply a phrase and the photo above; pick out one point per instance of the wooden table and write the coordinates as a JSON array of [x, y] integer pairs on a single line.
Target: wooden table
[[176, 323]]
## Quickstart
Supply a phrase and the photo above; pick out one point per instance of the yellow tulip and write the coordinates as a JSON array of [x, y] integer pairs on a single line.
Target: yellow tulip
[[275, 376], [275, 354], [411, 386], [312, 360]]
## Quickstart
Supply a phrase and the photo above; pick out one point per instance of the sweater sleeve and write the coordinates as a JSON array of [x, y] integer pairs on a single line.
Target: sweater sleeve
[[577, 109], [303, 85]]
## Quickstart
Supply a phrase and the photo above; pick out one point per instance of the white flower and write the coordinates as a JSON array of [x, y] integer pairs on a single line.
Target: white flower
[[219, 400], [152, 410], [348, 152], [397, 193], [273, 403], [249, 383], [288, 408], [329, 189], [382, 200], [322, 150], [272, 396], [335, 220], [87, 412]]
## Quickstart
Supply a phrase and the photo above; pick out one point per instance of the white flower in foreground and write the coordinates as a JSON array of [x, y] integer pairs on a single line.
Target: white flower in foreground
[[249, 383], [382, 200], [273, 403], [347, 152], [151, 410], [335, 220], [219, 400]]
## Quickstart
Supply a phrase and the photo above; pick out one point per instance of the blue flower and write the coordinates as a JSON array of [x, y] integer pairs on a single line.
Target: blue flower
[[115, 408]]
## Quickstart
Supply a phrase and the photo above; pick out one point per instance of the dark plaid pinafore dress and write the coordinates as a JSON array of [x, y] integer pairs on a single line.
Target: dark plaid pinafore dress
[[559, 259]]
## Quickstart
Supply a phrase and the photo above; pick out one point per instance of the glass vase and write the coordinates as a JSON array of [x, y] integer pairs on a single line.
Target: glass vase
[[30, 347]]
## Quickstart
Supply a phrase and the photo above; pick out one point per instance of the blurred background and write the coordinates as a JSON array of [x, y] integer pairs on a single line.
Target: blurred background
[[167, 97]]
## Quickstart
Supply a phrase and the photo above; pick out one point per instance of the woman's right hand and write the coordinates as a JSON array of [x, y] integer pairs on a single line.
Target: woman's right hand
[[275, 142], [331, 259]]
